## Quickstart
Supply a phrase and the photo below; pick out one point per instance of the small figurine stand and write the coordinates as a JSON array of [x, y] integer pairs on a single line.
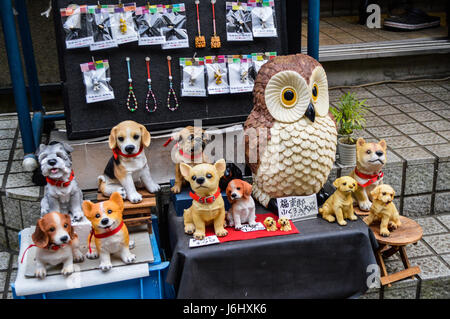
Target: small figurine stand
[[139, 213], [408, 233], [360, 212]]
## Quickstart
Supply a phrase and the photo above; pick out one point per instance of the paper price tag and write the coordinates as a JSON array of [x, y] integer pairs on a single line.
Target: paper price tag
[[248, 228], [208, 240], [298, 207]]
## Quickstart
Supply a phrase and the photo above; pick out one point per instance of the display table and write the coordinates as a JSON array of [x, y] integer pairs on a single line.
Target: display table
[[324, 260]]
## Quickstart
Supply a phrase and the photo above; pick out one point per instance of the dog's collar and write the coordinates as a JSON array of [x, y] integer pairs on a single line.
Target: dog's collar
[[104, 235], [206, 199], [371, 178], [188, 156], [57, 183], [116, 152], [50, 247]]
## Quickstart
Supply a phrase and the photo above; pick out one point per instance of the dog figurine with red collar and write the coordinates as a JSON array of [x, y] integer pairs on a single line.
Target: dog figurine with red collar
[[370, 159], [57, 243], [208, 207], [62, 193], [128, 166]]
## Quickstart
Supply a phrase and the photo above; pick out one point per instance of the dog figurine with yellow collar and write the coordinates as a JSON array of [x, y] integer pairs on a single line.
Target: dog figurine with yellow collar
[[208, 206], [128, 166], [370, 159], [339, 206], [109, 232], [383, 209]]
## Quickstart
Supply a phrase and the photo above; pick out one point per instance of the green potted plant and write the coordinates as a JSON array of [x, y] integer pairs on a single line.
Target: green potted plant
[[350, 116]]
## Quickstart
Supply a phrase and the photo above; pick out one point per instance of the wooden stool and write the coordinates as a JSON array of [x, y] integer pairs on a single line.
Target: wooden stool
[[139, 213], [408, 233], [360, 212]]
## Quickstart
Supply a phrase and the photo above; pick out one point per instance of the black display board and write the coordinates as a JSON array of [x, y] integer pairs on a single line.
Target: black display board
[[96, 119]]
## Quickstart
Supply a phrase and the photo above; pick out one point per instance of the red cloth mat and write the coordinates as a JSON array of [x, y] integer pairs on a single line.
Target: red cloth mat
[[234, 234]]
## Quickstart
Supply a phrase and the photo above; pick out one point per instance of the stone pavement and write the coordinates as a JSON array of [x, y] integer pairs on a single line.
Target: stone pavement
[[412, 117]]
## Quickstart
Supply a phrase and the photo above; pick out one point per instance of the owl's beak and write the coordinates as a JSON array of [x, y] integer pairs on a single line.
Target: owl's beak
[[310, 112]]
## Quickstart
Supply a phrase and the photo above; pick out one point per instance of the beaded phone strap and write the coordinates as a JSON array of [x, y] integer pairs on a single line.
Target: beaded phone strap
[[171, 90], [132, 104], [150, 95], [200, 41], [215, 39]]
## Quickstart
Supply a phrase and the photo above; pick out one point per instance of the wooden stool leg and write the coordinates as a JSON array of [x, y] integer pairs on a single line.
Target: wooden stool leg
[[380, 261], [405, 259]]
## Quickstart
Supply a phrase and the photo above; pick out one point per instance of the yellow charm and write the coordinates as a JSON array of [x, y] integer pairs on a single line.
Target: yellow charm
[[218, 77], [123, 26]]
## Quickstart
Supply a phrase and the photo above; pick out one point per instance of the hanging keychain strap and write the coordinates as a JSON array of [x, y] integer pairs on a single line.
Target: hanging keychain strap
[[132, 104], [198, 17], [214, 17], [150, 95], [171, 90]]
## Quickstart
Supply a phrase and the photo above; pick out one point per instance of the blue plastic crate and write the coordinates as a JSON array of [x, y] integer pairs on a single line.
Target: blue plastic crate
[[151, 287], [182, 200]]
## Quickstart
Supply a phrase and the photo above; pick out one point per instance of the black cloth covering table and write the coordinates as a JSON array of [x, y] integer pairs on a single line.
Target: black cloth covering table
[[324, 261]]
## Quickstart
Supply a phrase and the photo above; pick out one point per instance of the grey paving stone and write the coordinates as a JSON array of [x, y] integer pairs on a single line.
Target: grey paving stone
[[415, 206], [442, 95], [362, 133], [16, 167], [415, 155], [412, 128], [436, 105], [12, 124], [9, 133], [419, 178], [19, 180], [443, 176], [442, 151], [11, 209], [18, 154], [422, 98], [4, 155], [2, 237], [444, 113], [3, 166], [30, 193], [445, 219], [418, 250], [2, 280], [373, 121], [425, 116], [441, 203], [446, 258], [13, 239], [440, 243], [397, 119], [430, 87], [6, 144], [435, 289], [438, 126], [384, 110], [375, 102], [408, 90], [431, 267], [362, 93], [382, 90], [430, 226], [405, 289], [428, 139], [400, 99], [383, 131], [410, 107], [397, 142], [4, 260], [370, 295], [393, 174], [445, 134], [30, 212]]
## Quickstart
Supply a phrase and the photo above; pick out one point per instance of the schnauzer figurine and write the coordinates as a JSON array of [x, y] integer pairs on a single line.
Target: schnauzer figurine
[[62, 193]]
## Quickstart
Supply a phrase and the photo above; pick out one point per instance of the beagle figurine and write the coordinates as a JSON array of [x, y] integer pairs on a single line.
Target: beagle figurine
[[128, 166]]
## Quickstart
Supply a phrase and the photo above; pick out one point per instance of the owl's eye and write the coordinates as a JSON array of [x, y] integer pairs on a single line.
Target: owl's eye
[[289, 97], [315, 92]]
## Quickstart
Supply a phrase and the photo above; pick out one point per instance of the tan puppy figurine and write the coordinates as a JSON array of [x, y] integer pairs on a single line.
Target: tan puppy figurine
[[339, 206], [189, 146], [208, 206], [271, 224], [383, 209], [285, 224], [370, 159]]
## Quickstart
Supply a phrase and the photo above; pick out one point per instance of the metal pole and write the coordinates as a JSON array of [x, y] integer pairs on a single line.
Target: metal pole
[[17, 78], [28, 55], [313, 28]]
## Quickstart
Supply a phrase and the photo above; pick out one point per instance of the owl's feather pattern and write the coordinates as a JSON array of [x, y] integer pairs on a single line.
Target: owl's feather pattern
[[297, 159]]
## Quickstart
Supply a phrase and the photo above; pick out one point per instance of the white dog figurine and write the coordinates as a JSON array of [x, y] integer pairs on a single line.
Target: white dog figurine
[[128, 166], [242, 204], [57, 243], [62, 193]]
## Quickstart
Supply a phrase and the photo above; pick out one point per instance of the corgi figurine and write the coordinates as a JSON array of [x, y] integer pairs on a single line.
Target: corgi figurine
[[109, 231]]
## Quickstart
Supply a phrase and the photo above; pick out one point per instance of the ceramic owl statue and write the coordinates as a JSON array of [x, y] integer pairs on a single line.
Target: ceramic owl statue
[[291, 105]]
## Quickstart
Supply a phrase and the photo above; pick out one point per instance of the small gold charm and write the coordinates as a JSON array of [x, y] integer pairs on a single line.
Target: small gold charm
[[215, 42], [218, 77], [200, 41], [123, 26]]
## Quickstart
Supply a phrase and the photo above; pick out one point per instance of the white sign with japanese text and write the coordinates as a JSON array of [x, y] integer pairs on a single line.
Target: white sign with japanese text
[[298, 207]]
